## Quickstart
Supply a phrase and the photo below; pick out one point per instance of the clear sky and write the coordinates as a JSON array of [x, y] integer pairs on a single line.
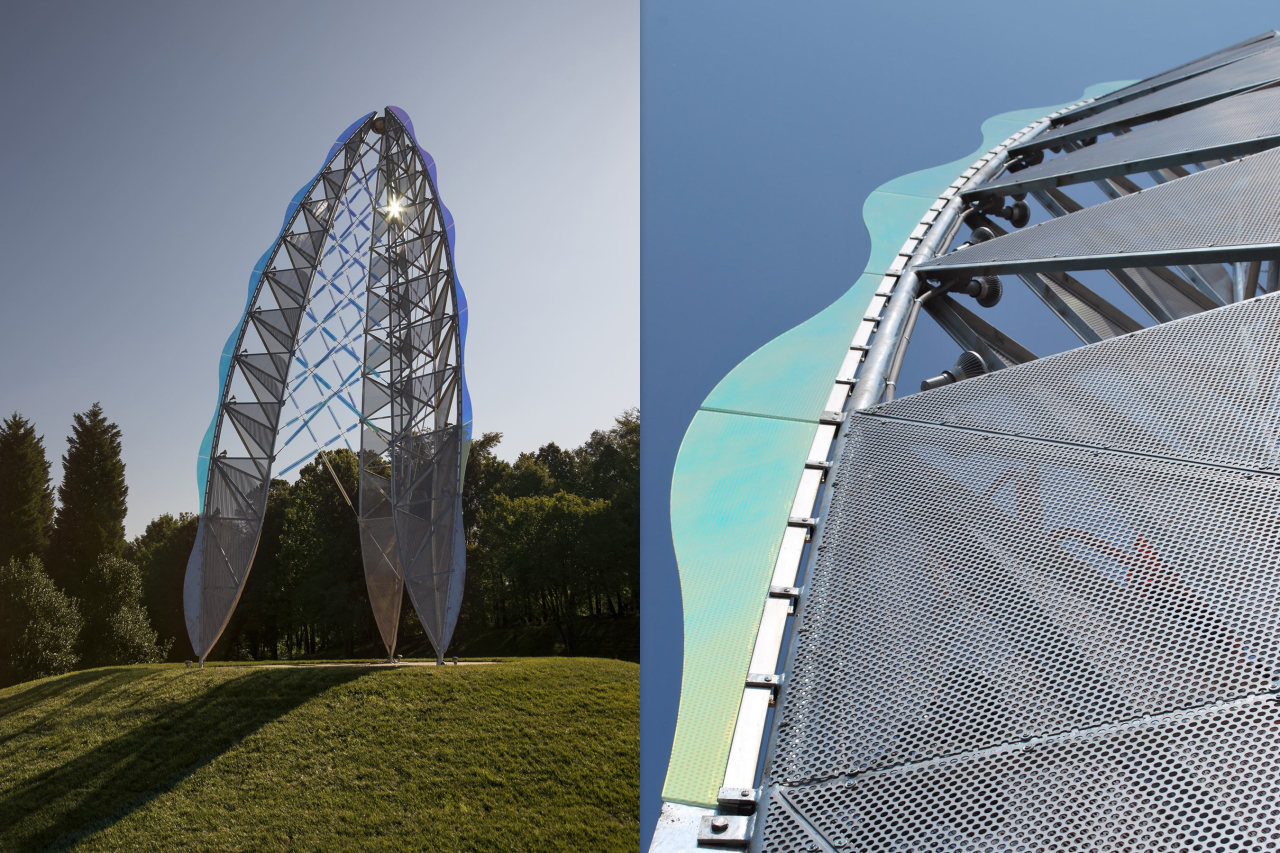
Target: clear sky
[[150, 149], [765, 126]]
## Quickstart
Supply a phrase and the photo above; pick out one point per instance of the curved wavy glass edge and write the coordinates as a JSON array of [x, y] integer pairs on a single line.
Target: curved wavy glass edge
[[751, 436], [451, 242], [207, 619], [228, 348], [457, 579], [464, 411]]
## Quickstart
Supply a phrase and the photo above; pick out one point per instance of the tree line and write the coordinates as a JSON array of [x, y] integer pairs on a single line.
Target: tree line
[[552, 544]]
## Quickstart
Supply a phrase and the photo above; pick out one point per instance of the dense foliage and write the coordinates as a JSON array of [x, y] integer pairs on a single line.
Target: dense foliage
[[91, 501], [39, 624], [553, 557], [26, 497], [117, 628], [89, 608], [554, 536]]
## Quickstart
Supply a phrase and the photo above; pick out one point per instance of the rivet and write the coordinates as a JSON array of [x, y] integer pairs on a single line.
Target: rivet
[[719, 824]]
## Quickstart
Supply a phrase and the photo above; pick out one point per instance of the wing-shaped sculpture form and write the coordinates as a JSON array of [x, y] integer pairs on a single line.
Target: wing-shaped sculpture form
[[358, 290]]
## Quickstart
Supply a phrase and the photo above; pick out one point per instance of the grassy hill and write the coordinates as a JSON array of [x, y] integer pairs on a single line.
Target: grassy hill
[[523, 755]]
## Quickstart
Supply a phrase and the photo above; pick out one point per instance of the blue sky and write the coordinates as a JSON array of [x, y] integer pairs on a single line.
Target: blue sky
[[764, 126], [151, 149]]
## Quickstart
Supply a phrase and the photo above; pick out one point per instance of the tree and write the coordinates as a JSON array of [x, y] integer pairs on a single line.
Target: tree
[[26, 497], [117, 630], [161, 554], [264, 615], [562, 465], [39, 624], [486, 476], [538, 546], [320, 554], [610, 466], [91, 500], [554, 536], [529, 477]]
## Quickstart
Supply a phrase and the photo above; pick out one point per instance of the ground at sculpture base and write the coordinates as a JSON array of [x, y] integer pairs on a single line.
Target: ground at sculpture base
[[526, 754]]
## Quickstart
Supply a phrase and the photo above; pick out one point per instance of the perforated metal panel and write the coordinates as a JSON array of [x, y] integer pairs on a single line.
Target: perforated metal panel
[[1044, 612], [1173, 75], [1226, 213], [1247, 73], [1233, 127]]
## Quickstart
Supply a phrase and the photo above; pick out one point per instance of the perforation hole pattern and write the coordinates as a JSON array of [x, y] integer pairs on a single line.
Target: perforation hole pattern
[[1044, 609]]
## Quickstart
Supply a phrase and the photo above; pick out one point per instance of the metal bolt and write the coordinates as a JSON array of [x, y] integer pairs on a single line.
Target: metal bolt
[[719, 824], [746, 793]]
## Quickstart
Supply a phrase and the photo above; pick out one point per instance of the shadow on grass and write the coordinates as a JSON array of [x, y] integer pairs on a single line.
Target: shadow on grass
[[63, 806], [64, 685], [96, 684]]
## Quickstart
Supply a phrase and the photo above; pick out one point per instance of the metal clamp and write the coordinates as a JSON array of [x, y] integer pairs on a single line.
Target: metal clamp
[[791, 592], [741, 799], [764, 679], [725, 831]]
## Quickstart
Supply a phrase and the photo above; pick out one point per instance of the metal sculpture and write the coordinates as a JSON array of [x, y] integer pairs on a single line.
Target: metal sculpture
[[1037, 607], [355, 321]]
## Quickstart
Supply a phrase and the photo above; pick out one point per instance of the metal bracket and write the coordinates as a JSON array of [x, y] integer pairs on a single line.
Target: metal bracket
[[764, 679], [725, 831], [791, 592], [831, 418], [740, 799], [807, 523], [818, 464]]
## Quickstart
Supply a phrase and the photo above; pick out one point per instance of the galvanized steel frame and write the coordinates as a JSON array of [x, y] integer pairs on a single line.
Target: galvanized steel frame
[[869, 370], [870, 375], [209, 600]]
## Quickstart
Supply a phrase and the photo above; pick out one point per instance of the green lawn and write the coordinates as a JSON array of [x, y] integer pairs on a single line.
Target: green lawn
[[522, 755]]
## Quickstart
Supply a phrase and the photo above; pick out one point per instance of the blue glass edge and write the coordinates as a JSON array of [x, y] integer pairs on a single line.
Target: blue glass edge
[[228, 348]]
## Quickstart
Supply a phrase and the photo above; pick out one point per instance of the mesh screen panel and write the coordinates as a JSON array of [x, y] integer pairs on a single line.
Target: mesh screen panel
[[1255, 70], [1232, 205], [1233, 126], [1043, 613], [1205, 63]]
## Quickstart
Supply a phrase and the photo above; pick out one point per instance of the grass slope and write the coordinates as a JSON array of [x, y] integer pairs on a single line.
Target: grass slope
[[523, 755]]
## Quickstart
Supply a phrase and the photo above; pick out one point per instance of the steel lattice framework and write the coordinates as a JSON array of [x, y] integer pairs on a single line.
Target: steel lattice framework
[[352, 336], [1037, 605]]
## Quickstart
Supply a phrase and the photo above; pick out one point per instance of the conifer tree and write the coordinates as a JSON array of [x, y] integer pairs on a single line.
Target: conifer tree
[[91, 501], [26, 497]]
